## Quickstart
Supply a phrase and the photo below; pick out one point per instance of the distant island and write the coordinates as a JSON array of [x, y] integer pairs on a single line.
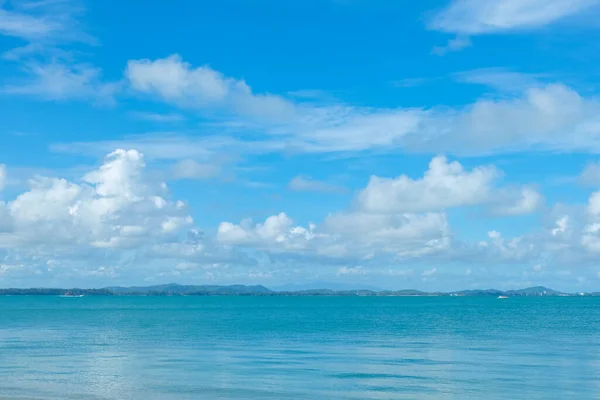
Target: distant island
[[259, 290]]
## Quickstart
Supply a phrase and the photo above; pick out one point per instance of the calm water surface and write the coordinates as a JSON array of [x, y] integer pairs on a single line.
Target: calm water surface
[[299, 348]]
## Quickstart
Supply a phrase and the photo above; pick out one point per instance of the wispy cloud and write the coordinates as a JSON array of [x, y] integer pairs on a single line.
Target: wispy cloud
[[190, 169], [165, 146], [2, 176], [474, 17], [413, 82], [456, 44], [502, 79], [591, 175], [524, 115], [466, 18], [533, 117], [46, 70], [307, 184], [27, 26], [155, 117], [49, 22], [57, 81]]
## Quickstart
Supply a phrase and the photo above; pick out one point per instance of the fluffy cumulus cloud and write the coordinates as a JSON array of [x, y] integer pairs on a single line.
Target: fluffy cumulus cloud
[[399, 223], [569, 239], [398, 235], [120, 216], [399, 220], [501, 250], [445, 185], [118, 220], [114, 209], [517, 202], [344, 237], [276, 233]]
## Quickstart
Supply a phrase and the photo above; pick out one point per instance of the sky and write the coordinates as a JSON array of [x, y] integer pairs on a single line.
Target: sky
[[435, 145]]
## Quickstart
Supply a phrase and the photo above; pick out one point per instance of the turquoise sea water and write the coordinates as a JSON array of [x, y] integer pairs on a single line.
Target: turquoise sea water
[[299, 348]]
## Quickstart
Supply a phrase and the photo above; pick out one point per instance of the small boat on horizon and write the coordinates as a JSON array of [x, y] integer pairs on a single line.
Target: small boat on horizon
[[69, 294], [503, 297]]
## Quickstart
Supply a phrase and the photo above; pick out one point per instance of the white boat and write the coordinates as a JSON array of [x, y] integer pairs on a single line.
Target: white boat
[[69, 294], [503, 297]]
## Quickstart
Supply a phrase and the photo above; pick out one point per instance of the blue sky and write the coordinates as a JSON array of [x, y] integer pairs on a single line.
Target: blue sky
[[434, 145]]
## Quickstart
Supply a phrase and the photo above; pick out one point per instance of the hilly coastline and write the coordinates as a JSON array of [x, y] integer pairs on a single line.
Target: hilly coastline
[[174, 289]]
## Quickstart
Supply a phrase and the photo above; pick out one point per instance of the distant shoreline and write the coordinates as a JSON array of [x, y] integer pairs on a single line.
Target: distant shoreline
[[261, 291]]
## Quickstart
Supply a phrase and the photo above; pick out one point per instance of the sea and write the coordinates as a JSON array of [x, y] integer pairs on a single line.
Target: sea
[[180, 348]]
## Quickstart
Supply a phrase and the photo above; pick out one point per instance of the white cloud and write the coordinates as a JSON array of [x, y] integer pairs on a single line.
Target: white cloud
[[57, 81], [190, 169], [365, 235], [456, 44], [173, 79], [472, 17], [550, 117], [397, 219], [352, 235], [307, 184], [395, 231], [351, 271], [372, 227], [118, 216], [445, 184], [594, 204], [591, 175], [562, 225], [501, 79], [155, 117], [429, 273], [114, 207], [2, 176], [501, 250], [276, 233], [161, 146], [525, 201], [176, 81], [27, 26], [298, 126], [47, 70], [47, 22], [537, 120], [590, 238], [571, 240]]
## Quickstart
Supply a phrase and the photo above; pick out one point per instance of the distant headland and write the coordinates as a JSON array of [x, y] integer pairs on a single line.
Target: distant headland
[[259, 290]]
